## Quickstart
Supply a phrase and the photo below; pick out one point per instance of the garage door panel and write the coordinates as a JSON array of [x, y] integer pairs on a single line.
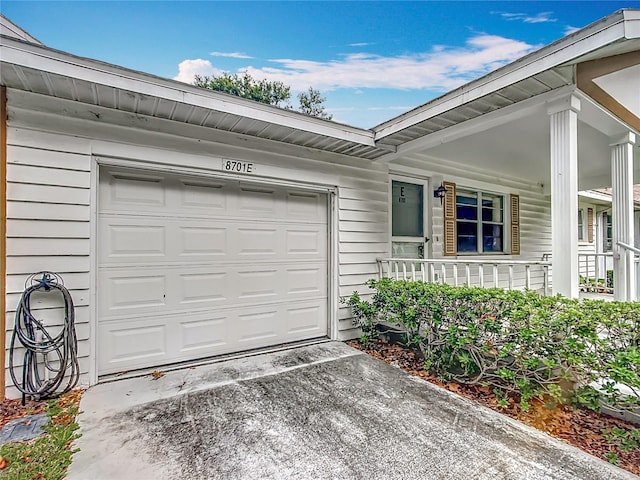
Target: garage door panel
[[307, 206], [203, 336], [129, 190], [306, 280], [208, 196], [135, 291], [203, 289], [165, 339], [164, 289], [257, 241], [258, 284], [136, 240], [202, 240], [308, 241], [123, 241], [303, 320], [206, 267], [123, 346], [256, 201]]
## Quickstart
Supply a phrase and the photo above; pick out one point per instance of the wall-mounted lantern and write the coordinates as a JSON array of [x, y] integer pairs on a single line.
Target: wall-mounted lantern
[[440, 192]]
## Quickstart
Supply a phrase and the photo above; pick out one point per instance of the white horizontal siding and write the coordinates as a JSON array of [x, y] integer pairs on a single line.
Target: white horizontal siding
[[49, 196], [535, 212]]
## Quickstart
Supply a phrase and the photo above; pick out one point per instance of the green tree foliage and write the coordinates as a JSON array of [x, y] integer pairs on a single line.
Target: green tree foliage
[[273, 93], [312, 103]]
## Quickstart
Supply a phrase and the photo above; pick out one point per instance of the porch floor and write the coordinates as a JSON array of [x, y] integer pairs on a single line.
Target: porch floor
[[607, 297]]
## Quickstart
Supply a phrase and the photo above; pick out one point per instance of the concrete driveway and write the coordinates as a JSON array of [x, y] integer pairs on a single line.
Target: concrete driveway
[[324, 411]]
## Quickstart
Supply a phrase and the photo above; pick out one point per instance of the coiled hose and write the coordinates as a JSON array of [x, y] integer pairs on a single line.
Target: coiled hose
[[47, 360]]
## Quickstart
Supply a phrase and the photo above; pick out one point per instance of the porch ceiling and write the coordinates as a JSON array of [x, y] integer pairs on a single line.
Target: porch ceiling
[[520, 147]]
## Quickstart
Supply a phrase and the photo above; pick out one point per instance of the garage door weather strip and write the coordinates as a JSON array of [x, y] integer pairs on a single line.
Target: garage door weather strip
[[114, 377], [58, 355]]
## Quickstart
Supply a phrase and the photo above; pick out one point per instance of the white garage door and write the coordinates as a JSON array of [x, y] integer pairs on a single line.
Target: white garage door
[[192, 267]]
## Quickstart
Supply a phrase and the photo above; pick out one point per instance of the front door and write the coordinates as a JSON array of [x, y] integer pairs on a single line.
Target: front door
[[408, 218]]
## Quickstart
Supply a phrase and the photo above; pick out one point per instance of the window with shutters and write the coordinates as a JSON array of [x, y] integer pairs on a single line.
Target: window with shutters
[[479, 221]]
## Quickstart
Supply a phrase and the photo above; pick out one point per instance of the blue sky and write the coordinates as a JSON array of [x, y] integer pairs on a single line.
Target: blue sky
[[371, 60]]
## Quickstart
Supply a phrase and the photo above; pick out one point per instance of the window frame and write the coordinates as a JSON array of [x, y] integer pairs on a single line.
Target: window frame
[[480, 223], [581, 225], [607, 225]]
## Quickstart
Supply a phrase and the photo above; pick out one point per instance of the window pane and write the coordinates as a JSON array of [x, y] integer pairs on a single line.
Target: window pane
[[492, 238], [580, 225], [407, 210], [492, 208], [467, 236], [467, 206], [407, 250], [608, 240]]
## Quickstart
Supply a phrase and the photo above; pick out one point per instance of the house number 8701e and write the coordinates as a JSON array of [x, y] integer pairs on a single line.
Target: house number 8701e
[[237, 166]]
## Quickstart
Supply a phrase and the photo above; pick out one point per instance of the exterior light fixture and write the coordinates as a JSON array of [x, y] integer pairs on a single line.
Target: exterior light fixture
[[440, 192]]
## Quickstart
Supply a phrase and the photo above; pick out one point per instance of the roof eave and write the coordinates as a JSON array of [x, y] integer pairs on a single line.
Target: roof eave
[[601, 33], [53, 61]]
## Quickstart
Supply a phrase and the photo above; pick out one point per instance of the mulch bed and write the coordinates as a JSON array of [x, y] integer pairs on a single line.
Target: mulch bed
[[580, 428]]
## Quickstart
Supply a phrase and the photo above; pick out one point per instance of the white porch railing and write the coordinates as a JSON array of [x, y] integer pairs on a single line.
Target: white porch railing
[[509, 274], [636, 272], [592, 270]]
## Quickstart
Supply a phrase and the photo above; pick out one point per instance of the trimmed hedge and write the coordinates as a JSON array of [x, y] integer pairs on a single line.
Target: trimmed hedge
[[518, 343]]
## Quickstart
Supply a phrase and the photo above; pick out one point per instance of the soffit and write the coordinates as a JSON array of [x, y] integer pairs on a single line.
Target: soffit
[[530, 87], [181, 103]]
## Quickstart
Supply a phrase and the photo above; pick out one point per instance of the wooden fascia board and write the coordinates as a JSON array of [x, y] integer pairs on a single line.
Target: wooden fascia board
[[60, 63], [588, 71], [3, 233]]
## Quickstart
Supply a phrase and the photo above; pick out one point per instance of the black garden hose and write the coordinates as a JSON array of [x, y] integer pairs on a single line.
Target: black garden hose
[[50, 364]]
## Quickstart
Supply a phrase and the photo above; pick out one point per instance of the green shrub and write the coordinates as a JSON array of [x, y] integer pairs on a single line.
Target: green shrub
[[518, 343]]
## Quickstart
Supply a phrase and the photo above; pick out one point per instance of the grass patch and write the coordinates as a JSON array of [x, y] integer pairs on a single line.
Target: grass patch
[[48, 456]]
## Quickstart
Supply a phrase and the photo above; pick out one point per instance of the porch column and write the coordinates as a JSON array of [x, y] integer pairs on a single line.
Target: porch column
[[624, 279], [563, 116]]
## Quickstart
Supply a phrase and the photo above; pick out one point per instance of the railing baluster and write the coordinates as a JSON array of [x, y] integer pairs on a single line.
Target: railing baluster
[[510, 277], [545, 281], [437, 270]]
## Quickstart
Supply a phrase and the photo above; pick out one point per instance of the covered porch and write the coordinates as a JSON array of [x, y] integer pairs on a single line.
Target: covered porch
[[560, 120]]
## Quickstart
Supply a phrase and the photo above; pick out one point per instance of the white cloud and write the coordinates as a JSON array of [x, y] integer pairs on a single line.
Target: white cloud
[[441, 69], [569, 29], [188, 69], [230, 55], [542, 17], [360, 44]]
